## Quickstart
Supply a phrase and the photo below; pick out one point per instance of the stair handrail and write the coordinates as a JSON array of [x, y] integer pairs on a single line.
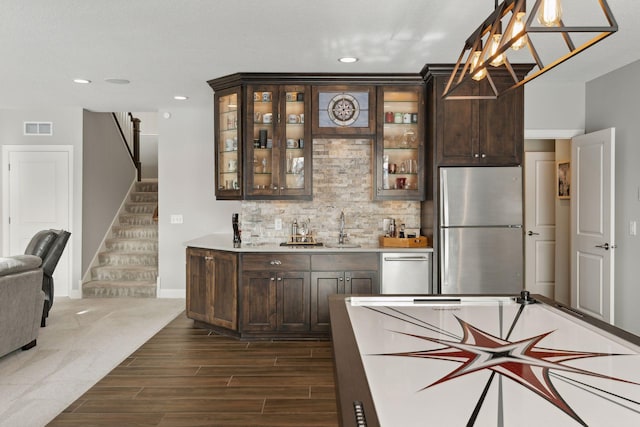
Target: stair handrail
[[129, 128]]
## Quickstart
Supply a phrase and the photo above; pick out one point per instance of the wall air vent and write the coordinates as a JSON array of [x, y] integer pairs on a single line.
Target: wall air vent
[[38, 128]]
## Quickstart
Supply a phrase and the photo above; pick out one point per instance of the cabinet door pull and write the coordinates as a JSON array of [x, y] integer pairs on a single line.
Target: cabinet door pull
[[279, 279], [275, 262], [208, 258], [273, 279], [348, 279], [476, 155], [484, 156], [275, 188], [341, 279]]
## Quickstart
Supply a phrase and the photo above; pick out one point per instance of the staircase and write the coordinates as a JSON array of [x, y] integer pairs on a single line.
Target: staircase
[[129, 265]]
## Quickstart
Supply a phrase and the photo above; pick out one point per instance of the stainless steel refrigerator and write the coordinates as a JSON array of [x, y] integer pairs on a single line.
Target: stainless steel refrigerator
[[481, 241]]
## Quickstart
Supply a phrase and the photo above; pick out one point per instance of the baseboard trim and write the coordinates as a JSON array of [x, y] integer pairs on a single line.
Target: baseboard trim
[[172, 293]]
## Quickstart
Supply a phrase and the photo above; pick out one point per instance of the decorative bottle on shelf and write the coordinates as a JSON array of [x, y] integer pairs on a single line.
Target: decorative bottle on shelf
[[385, 172]]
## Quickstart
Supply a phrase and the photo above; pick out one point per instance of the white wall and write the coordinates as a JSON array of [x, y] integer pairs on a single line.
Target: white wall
[[186, 179], [613, 100], [67, 130], [549, 106]]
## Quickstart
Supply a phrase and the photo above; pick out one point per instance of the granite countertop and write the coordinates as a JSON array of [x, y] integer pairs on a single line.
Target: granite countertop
[[224, 242]]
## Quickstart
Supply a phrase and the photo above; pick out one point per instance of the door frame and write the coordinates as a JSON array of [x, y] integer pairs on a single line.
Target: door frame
[[529, 255], [6, 150]]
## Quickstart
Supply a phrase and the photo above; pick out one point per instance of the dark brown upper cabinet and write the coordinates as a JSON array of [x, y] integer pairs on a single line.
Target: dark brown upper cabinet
[[474, 132]]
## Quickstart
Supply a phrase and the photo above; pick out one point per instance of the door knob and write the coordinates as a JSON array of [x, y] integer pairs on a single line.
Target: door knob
[[531, 233], [606, 246]]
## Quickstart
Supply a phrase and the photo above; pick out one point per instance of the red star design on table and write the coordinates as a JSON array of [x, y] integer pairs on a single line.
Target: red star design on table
[[521, 361]]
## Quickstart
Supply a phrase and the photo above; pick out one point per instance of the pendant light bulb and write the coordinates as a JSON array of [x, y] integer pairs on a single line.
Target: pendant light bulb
[[518, 26], [495, 44], [475, 61], [550, 13]]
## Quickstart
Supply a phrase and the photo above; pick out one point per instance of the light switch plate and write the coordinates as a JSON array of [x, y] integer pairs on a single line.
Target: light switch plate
[[176, 219]]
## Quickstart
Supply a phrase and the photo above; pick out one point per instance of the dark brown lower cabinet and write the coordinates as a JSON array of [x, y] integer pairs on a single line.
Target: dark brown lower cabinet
[[273, 295], [275, 301], [212, 287], [361, 278], [327, 283]]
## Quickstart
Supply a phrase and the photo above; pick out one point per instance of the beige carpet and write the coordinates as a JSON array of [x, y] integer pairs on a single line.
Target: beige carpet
[[84, 340]]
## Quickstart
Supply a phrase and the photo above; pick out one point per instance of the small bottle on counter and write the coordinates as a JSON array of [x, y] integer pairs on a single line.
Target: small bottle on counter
[[401, 232], [294, 230], [392, 228]]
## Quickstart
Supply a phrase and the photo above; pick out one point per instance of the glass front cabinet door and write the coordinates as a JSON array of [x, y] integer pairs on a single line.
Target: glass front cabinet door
[[400, 161], [278, 148], [228, 145]]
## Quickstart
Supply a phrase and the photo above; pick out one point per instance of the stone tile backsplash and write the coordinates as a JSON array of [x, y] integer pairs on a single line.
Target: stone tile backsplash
[[342, 181]]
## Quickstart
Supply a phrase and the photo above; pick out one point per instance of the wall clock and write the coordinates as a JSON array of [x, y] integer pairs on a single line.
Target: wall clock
[[343, 109]]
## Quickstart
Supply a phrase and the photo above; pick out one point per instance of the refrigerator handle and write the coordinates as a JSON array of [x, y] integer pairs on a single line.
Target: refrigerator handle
[[444, 197], [444, 261]]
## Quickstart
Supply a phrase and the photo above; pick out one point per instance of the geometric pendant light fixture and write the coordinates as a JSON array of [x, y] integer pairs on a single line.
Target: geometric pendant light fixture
[[545, 36]]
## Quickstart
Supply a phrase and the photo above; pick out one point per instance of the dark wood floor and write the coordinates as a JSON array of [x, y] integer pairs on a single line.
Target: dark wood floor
[[185, 376]]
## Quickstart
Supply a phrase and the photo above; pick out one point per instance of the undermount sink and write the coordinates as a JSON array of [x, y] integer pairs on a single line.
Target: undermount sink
[[341, 245]]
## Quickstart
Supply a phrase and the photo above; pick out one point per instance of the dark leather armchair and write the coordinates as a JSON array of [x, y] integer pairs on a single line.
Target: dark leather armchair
[[48, 245]]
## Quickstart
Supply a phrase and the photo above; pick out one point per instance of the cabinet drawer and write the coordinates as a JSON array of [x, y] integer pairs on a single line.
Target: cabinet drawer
[[339, 262], [275, 262]]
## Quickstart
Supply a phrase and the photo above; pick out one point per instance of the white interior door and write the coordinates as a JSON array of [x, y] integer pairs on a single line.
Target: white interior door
[[540, 223], [592, 223], [38, 184]]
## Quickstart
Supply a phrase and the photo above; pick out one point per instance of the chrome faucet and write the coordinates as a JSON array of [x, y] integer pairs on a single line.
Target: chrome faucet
[[342, 234]]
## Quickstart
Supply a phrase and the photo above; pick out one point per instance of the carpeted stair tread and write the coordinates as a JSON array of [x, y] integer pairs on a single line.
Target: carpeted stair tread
[[115, 289], [146, 258], [132, 245]]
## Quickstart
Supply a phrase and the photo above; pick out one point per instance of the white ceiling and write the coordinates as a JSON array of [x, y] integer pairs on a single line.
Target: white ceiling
[[172, 47]]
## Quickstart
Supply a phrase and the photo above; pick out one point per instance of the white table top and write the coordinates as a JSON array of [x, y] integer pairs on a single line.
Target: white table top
[[539, 367]]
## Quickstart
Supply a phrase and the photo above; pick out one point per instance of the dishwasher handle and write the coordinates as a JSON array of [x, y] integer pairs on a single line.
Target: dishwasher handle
[[407, 258]]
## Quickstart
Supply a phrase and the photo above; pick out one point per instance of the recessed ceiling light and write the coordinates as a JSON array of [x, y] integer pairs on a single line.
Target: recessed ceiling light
[[82, 81], [180, 97], [348, 59], [118, 81]]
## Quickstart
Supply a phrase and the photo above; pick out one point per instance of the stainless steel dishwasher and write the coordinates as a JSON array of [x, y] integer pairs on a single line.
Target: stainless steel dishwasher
[[406, 273]]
